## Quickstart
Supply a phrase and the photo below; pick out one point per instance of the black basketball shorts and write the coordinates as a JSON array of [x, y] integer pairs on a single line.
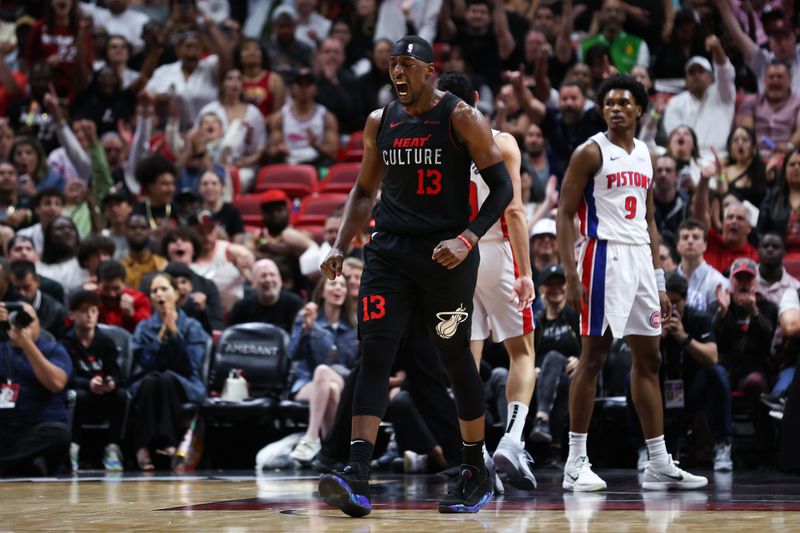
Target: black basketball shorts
[[401, 279]]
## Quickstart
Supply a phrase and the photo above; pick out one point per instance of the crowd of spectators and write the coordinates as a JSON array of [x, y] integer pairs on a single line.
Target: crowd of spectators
[[130, 129]]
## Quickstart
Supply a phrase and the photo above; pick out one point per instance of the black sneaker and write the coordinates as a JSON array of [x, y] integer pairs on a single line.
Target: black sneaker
[[326, 465], [472, 491], [540, 433], [348, 490]]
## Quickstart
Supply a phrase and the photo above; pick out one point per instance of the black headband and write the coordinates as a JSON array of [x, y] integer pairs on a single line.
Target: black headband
[[413, 46]]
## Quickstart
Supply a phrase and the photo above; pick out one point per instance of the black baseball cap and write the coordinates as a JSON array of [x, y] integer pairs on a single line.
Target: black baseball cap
[[302, 75], [413, 46], [550, 272], [187, 194], [116, 194]]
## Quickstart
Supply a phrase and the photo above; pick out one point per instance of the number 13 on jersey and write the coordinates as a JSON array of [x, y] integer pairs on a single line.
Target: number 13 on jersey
[[429, 181]]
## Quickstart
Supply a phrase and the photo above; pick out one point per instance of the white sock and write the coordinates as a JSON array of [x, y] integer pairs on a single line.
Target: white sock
[[517, 413], [657, 450], [577, 445]]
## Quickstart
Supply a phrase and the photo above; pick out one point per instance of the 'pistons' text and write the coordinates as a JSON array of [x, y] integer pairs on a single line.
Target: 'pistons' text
[[628, 179]]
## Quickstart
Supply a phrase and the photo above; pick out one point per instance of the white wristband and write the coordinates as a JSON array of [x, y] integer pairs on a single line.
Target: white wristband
[[660, 282]]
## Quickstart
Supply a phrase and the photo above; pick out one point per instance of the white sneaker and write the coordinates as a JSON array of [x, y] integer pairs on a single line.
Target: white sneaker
[[74, 453], [722, 457], [578, 476], [644, 456], [671, 477], [112, 458], [497, 483], [306, 449], [414, 463], [513, 459]]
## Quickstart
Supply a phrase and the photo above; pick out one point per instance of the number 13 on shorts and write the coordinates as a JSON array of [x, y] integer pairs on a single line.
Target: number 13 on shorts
[[373, 307]]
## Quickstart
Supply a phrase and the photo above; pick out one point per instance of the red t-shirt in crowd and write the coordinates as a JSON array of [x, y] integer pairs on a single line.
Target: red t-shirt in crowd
[[114, 316], [793, 233], [259, 93], [44, 42], [5, 98], [720, 256]]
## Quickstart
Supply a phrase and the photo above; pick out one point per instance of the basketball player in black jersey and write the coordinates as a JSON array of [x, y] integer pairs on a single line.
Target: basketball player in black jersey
[[418, 151]]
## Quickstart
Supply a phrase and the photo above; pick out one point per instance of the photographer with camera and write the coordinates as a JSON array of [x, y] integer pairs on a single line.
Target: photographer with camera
[[34, 435]]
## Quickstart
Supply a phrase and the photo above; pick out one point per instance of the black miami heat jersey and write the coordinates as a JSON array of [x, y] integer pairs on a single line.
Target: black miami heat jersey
[[427, 171]]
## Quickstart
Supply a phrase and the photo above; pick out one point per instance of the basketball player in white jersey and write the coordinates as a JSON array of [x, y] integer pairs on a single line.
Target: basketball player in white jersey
[[503, 296], [618, 284]]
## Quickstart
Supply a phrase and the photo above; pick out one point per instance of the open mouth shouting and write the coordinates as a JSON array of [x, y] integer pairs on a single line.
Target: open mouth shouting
[[401, 87]]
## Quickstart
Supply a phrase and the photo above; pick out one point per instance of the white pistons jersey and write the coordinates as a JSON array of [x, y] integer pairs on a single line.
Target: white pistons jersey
[[615, 199], [478, 191]]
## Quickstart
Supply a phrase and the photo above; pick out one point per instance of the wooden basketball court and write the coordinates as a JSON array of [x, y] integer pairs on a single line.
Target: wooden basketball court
[[279, 502]]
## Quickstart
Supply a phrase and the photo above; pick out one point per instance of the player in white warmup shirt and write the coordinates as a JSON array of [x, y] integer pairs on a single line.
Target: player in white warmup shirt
[[503, 297], [618, 284]]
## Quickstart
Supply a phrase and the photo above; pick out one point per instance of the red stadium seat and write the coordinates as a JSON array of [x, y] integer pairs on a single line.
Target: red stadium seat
[[354, 150], [315, 209], [297, 181], [792, 264], [249, 205], [440, 51], [340, 178]]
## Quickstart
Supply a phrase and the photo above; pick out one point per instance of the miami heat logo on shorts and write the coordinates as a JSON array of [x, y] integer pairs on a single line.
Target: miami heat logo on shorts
[[449, 321], [655, 319]]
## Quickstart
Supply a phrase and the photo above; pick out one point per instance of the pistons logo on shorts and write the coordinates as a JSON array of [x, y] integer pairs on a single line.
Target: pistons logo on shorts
[[655, 319]]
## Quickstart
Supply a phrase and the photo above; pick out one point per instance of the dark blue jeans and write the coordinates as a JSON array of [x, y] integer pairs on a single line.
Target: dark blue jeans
[[711, 389]]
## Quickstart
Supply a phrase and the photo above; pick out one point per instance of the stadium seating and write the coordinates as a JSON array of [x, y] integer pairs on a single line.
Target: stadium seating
[[353, 151], [341, 178], [297, 181], [249, 205], [316, 208]]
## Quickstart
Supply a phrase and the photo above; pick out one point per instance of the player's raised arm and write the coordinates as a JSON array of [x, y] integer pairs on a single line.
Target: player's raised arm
[[358, 207], [583, 164], [474, 131]]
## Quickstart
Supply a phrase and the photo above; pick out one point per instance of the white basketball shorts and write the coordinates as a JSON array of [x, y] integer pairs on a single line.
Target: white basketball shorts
[[494, 314], [621, 291]]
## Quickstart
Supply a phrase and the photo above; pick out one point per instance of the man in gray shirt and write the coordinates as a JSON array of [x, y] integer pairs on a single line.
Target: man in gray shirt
[[704, 280]]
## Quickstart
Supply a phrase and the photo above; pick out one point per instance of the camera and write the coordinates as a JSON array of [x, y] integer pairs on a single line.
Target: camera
[[17, 317]]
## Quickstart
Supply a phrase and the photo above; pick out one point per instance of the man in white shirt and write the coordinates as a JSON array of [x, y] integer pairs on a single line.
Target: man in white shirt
[[312, 27], [119, 20], [192, 81], [707, 105], [704, 280]]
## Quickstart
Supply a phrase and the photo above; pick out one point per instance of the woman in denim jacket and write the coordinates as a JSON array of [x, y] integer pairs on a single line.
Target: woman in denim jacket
[[168, 351], [324, 347]]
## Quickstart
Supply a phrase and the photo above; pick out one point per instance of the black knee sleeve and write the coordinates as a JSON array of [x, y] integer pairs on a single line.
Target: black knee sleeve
[[465, 382], [372, 385]]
